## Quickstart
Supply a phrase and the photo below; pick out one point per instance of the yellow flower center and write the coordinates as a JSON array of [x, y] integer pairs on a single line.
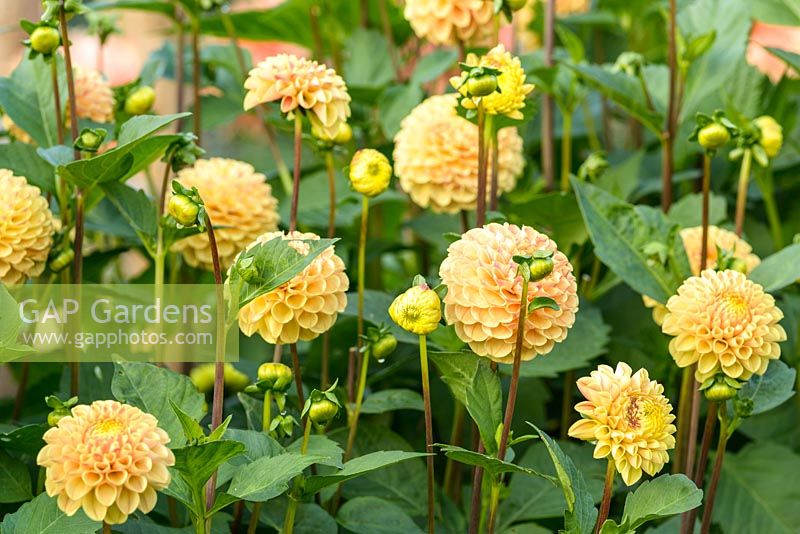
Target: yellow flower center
[[108, 428], [734, 309], [645, 414]]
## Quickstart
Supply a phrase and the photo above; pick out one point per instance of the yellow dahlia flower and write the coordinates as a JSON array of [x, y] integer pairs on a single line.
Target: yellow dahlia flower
[[107, 458], [723, 322], [484, 291], [628, 418], [15, 131], [238, 201], [771, 135], [300, 83], [370, 172], [510, 99], [436, 157], [26, 229], [304, 307], [94, 98], [418, 310], [448, 22]]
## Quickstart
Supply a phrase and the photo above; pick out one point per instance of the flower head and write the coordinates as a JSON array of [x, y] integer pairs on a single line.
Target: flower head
[[370, 172], [26, 229], [484, 291], [512, 89], [771, 135], [418, 310], [15, 131], [628, 418], [238, 201], [436, 156], [447, 22], [107, 458], [301, 85], [94, 98], [305, 306], [725, 323]]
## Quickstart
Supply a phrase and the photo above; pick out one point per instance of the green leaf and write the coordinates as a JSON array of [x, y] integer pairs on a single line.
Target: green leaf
[[389, 400], [152, 388], [754, 493], [778, 270], [371, 515], [581, 513], [43, 516], [771, 389], [687, 212], [268, 477], [14, 479], [287, 22], [27, 439], [137, 208], [661, 497], [432, 65], [619, 232], [153, 6], [457, 370], [368, 64], [196, 464], [191, 428], [24, 160], [395, 104], [621, 179], [357, 467], [485, 403], [555, 213], [257, 445], [542, 302], [10, 324], [489, 463], [323, 447], [790, 58]]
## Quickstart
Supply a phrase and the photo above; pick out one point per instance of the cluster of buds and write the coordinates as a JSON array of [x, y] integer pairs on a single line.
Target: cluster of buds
[[325, 141], [103, 26], [183, 152], [418, 310], [59, 409], [763, 137], [274, 380], [726, 260], [713, 132], [186, 207], [720, 388], [89, 140], [44, 38], [322, 406], [370, 172], [630, 63], [52, 8], [379, 343]]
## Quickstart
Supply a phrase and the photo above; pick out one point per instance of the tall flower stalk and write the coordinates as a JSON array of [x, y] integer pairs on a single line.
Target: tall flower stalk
[[608, 490]]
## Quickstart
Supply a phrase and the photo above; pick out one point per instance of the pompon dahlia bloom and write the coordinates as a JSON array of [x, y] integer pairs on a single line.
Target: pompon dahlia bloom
[[26, 229], [94, 98], [107, 458], [628, 418], [510, 99], [484, 291], [448, 22], [436, 157], [300, 83], [237, 199], [725, 323], [304, 307]]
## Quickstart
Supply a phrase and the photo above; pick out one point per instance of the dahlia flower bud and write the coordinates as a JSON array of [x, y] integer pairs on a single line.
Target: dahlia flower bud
[[379, 343], [26, 231], [322, 411], [90, 140], [61, 260], [771, 135], [370, 172], [418, 310], [447, 22], [183, 209], [720, 388], [60, 409], [480, 85], [202, 376], [305, 306], [301, 85], [107, 458], [541, 266], [628, 418], [283, 425], [343, 135], [45, 40], [724, 323], [484, 290], [515, 5], [274, 376], [140, 100], [713, 136]]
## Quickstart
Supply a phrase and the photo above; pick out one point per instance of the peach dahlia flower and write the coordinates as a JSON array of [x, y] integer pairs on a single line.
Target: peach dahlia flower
[[300, 83], [238, 201], [94, 98], [436, 157], [107, 458], [304, 307], [628, 418], [725, 323], [448, 22], [484, 291], [26, 229]]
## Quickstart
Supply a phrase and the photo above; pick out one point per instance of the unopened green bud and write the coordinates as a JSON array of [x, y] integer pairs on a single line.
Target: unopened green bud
[[140, 100], [737, 264], [45, 39], [90, 139], [481, 85], [383, 347], [541, 268], [720, 388], [62, 260], [515, 5], [183, 210], [322, 411], [713, 136], [275, 377]]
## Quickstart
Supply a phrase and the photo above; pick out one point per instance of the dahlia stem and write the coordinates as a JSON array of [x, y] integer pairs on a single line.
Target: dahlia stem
[[452, 468], [691, 438], [547, 151], [706, 194], [362, 255], [329, 165], [684, 410], [688, 519], [480, 215], [362, 385], [591, 127], [426, 395], [298, 137], [494, 500], [566, 403], [266, 419], [291, 510], [106, 528], [179, 67], [386, 25], [720, 454], [198, 107], [741, 197], [608, 488], [298, 377], [566, 149], [477, 486], [671, 120], [57, 100], [768, 193], [494, 189]]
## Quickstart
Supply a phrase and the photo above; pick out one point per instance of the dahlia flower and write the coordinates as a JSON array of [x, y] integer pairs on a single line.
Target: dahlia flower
[[94, 98], [15, 131], [510, 98], [628, 418], [107, 458], [448, 22], [26, 229], [436, 157], [238, 201], [484, 292], [725, 323], [304, 307], [300, 83]]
